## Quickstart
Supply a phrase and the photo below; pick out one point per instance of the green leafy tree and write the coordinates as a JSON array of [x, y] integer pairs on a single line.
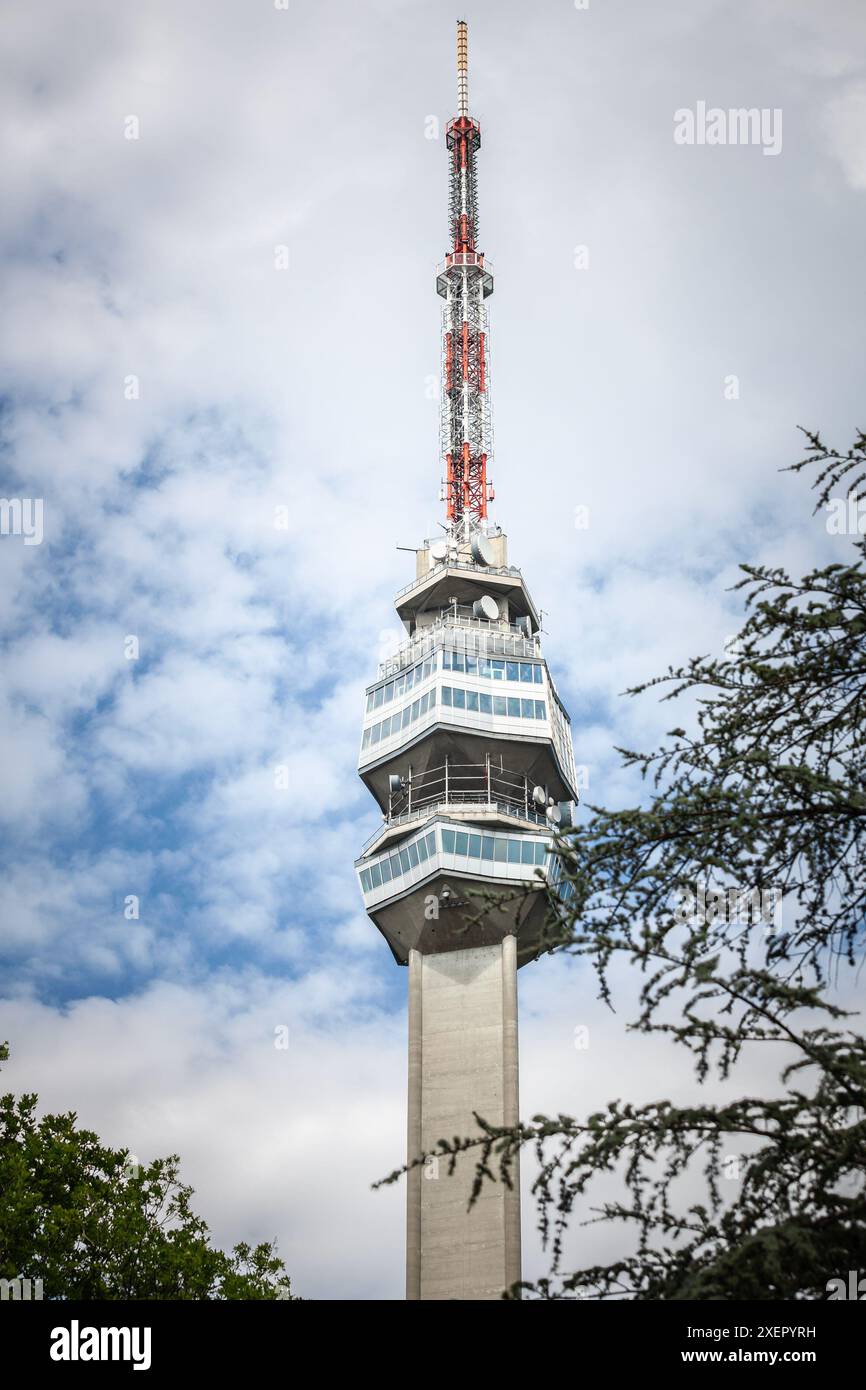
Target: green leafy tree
[[767, 793], [92, 1224]]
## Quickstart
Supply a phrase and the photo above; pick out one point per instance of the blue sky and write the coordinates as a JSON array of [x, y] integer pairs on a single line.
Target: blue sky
[[310, 388]]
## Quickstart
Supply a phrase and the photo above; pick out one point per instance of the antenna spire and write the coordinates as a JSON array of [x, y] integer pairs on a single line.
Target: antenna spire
[[464, 282], [462, 68]]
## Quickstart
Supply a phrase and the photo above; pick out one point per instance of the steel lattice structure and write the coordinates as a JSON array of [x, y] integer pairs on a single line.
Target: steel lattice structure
[[464, 282]]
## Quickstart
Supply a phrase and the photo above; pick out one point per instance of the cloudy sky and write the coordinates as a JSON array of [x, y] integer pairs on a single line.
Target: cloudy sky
[[218, 237]]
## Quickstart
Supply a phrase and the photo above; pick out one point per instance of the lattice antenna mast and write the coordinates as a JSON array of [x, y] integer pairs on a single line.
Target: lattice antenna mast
[[465, 282]]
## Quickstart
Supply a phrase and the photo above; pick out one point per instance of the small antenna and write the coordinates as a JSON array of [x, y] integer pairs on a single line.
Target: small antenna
[[462, 68]]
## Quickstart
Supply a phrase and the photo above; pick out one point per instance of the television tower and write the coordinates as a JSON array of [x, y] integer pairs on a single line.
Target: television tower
[[467, 749]]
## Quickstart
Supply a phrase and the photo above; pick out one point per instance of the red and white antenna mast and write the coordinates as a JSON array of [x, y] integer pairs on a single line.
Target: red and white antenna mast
[[464, 282]]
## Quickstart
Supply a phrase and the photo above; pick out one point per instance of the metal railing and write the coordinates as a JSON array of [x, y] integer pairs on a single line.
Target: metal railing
[[488, 786], [464, 633], [509, 570], [428, 809], [463, 258]]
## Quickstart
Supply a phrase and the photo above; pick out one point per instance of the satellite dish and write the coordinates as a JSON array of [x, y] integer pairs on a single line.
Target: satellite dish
[[486, 607], [438, 551], [395, 784], [554, 815], [482, 550], [539, 796]]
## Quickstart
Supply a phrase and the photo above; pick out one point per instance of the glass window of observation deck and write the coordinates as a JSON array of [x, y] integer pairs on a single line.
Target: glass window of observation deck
[[500, 849]]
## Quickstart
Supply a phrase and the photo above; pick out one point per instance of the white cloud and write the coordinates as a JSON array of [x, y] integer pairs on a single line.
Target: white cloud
[[845, 119]]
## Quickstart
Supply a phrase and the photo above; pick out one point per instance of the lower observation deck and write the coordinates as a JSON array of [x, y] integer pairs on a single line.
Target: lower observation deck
[[427, 892]]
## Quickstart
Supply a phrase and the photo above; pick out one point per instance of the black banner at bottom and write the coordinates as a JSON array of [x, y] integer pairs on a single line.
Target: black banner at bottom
[[85, 1339]]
